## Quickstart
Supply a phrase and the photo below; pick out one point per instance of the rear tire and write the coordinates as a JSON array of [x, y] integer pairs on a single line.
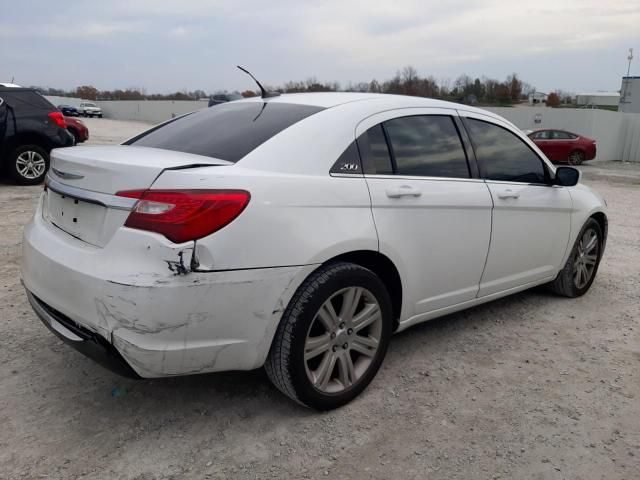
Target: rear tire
[[576, 157], [76, 135], [28, 164], [575, 279], [332, 337]]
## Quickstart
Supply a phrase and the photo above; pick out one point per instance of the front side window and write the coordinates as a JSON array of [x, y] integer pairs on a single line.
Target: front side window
[[428, 146], [504, 156]]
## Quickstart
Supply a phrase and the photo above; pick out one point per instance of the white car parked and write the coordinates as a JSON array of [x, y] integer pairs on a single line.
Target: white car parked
[[299, 232], [88, 109]]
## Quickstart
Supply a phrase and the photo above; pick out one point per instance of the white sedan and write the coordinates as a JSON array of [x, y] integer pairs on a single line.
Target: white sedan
[[298, 233]]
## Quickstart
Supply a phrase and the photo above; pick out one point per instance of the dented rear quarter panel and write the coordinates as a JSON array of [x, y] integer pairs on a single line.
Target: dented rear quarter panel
[[162, 320]]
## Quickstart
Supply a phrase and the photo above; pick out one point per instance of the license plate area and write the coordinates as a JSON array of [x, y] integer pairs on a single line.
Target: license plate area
[[81, 219]]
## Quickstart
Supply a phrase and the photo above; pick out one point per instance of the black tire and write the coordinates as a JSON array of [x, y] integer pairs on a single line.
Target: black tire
[[14, 169], [576, 157], [100, 116], [286, 365], [76, 135], [565, 282]]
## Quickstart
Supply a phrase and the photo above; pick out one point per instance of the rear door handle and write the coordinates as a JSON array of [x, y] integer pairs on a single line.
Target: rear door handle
[[508, 193], [403, 191]]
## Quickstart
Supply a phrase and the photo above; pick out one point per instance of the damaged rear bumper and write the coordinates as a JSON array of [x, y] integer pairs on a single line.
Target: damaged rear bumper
[[131, 311], [85, 341]]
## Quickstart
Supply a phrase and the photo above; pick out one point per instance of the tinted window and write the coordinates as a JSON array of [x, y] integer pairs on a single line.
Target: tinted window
[[228, 132], [544, 135], [348, 162], [427, 145], [504, 156], [558, 135], [375, 152], [27, 100]]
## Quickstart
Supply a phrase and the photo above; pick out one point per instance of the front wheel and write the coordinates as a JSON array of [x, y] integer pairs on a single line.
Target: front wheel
[[575, 279], [332, 337]]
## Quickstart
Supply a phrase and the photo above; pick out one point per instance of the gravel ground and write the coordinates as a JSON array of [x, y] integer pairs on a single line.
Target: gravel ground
[[532, 386]]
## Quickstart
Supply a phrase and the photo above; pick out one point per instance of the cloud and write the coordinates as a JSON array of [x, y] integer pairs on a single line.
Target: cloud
[[77, 30], [405, 31], [552, 43], [179, 32]]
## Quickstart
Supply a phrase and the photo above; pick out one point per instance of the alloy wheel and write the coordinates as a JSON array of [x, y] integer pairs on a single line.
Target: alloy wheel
[[342, 340], [576, 158], [30, 165], [586, 259]]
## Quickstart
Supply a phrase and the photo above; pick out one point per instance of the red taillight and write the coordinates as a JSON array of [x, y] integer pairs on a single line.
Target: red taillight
[[184, 215], [58, 119]]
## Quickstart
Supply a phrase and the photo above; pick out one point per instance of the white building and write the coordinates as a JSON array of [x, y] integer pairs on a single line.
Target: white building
[[537, 98], [630, 95], [605, 99]]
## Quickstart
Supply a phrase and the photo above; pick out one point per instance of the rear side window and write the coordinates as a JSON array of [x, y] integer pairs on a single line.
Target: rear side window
[[558, 135], [427, 145], [348, 162], [544, 135], [375, 152], [228, 131], [504, 156]]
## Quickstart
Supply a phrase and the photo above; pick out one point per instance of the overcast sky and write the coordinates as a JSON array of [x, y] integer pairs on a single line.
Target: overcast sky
[[169, 45]]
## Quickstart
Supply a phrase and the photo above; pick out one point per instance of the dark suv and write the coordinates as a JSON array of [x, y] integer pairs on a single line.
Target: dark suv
[[219, 98], [30, 127]]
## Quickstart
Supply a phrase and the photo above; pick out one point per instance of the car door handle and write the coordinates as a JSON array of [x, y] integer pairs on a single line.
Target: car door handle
[[508, 193], [403, 191]]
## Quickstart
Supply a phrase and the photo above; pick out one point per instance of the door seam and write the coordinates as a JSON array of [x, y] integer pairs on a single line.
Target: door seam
[[486, 258]]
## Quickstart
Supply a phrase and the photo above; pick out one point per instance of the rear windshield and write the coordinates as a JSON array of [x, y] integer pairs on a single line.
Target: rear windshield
[[228, 131], [23, 99]]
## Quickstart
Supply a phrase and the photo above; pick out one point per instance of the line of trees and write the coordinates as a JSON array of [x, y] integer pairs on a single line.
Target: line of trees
[[464, 89]]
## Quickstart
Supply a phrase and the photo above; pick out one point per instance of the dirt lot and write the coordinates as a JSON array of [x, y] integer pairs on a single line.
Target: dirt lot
[[532, 386]]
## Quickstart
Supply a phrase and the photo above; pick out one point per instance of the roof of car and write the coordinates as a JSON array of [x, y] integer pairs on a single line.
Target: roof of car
[[548, 129], [333, 99]]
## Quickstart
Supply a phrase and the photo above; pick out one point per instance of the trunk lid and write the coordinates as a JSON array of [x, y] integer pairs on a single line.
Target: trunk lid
[[80, 198], [113, 168]]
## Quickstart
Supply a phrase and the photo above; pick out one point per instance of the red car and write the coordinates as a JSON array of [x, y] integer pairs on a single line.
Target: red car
[[77, 128], [562, 146]]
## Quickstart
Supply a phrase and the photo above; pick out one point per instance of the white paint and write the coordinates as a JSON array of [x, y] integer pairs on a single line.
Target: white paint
[[122, 287]]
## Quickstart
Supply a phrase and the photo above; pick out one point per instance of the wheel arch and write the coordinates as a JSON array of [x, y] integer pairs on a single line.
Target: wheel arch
[[384, 268], [26, 138], [602, 220]]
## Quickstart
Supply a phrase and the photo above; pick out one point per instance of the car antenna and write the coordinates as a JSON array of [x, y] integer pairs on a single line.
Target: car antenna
[[263, 93]]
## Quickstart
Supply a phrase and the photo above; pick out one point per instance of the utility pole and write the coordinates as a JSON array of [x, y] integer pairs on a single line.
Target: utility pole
[[630, 57]]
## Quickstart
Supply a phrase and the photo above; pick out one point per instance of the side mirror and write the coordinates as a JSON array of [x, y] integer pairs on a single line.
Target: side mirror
[[567, 176]]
